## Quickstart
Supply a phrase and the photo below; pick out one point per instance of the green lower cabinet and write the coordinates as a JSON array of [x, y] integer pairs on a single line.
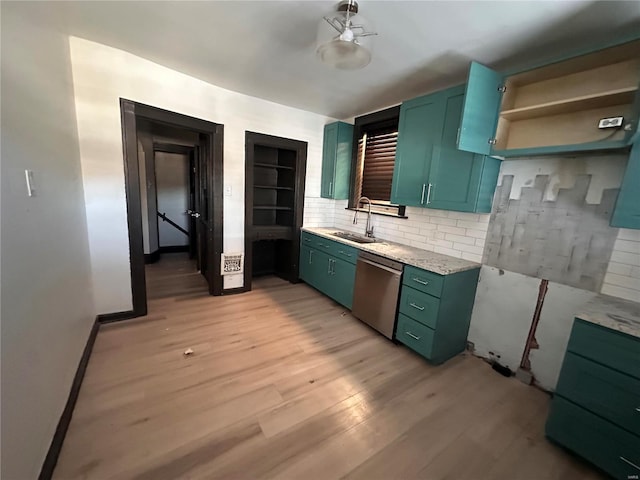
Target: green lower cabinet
[[627, 210], [415, 335], [607, 446], [342, 278], [435, 312], [595, 411], [329, 272], [314, 268]]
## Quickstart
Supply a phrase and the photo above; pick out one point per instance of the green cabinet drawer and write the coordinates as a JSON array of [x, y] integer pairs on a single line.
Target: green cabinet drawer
[[614, 450], [345, 252], [415, 335], [611, 348], [427, 282], [601, 390], [331, 247], [307, 239], [419, 306]]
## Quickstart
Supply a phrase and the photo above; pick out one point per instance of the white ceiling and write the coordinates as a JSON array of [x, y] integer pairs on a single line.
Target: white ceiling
[[267, 48]]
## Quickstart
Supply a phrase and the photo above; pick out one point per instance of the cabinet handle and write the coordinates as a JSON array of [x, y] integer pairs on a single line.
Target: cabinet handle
[[310, 253], [458, 137], [420, 281], [422, 195], [429, 194], [630, 463], [333, 267], [418, 307], [329, 267], [330, 188], [418, 338], [343, 253]]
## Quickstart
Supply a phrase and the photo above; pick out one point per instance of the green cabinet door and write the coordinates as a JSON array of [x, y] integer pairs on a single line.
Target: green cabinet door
[[419, 126], [336, 160], [342, 278], [329, 150], [627, 211], [459, 180], [480, 111], [315, 268]]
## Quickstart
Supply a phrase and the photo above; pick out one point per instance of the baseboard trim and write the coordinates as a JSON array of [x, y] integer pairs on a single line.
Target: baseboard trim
[[115, 317], [51, 459], [234, 291], [174, 249], [152, 257]]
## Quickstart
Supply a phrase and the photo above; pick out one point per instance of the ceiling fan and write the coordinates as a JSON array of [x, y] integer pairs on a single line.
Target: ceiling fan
[[350, 49]]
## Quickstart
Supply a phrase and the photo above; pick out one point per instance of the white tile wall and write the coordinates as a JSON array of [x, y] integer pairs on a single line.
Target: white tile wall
[[318, 212], [457, 234], [623, 274]]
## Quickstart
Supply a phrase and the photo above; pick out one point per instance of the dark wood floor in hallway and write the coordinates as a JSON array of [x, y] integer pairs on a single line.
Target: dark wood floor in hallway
[[283, 383]]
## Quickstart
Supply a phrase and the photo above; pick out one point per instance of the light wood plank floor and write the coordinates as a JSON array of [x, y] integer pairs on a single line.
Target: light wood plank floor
[[285, 384]]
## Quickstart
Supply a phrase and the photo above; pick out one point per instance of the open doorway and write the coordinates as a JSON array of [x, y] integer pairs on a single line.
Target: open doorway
[[173, 166]]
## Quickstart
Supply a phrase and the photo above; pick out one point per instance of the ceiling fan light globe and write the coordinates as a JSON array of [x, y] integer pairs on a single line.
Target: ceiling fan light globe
[[344, 55]]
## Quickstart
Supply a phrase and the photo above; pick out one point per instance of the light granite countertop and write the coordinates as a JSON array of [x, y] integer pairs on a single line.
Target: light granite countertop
[[613, 313], [417, 257]]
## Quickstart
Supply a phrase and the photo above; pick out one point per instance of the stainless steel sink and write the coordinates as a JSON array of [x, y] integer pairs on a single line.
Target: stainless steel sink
[[354, 237]]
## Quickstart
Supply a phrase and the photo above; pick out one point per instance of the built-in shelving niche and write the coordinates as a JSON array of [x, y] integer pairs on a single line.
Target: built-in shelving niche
[[274, 203]]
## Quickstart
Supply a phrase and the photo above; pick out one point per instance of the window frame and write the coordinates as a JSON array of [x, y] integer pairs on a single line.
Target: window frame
[[380, 119]]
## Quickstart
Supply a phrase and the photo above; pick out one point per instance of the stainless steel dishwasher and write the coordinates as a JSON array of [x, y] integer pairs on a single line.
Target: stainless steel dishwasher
[[375, 297]]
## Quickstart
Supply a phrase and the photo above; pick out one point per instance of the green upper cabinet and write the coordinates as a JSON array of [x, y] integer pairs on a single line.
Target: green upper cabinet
[[336, 160], [459, 180], [627, 210], [430, 170], [419, 126], [480, 113], [555, 108]]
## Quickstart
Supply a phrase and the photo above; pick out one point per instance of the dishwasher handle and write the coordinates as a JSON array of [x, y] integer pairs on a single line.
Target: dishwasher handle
[[383, 267]]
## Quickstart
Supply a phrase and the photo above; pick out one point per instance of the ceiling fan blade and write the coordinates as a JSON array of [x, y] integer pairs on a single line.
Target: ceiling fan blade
[[335, 23], [364, 34]]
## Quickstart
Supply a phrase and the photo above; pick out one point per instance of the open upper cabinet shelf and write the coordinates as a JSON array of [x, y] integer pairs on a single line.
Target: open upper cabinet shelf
[[553, 108]]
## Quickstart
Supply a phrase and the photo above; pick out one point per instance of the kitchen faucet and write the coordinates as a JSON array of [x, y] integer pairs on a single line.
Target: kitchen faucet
[[369, 228]]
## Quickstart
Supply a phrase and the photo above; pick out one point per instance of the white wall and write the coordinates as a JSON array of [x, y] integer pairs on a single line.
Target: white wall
[[502, 314], [47, 308], [172, 184], [101, 76]]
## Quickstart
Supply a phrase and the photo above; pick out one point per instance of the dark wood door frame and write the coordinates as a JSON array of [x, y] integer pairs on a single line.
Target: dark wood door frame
[[212, 134], [251, 140]]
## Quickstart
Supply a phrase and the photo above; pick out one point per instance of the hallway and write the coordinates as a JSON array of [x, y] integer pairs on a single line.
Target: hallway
[[174, 275]]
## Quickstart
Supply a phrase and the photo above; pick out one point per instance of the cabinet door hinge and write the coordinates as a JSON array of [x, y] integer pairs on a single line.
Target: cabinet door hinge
[[492, 141], [502, 88]]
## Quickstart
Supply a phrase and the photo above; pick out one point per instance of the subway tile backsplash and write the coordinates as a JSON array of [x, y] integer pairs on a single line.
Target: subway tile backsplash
[[457, 234], [463, 235]]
